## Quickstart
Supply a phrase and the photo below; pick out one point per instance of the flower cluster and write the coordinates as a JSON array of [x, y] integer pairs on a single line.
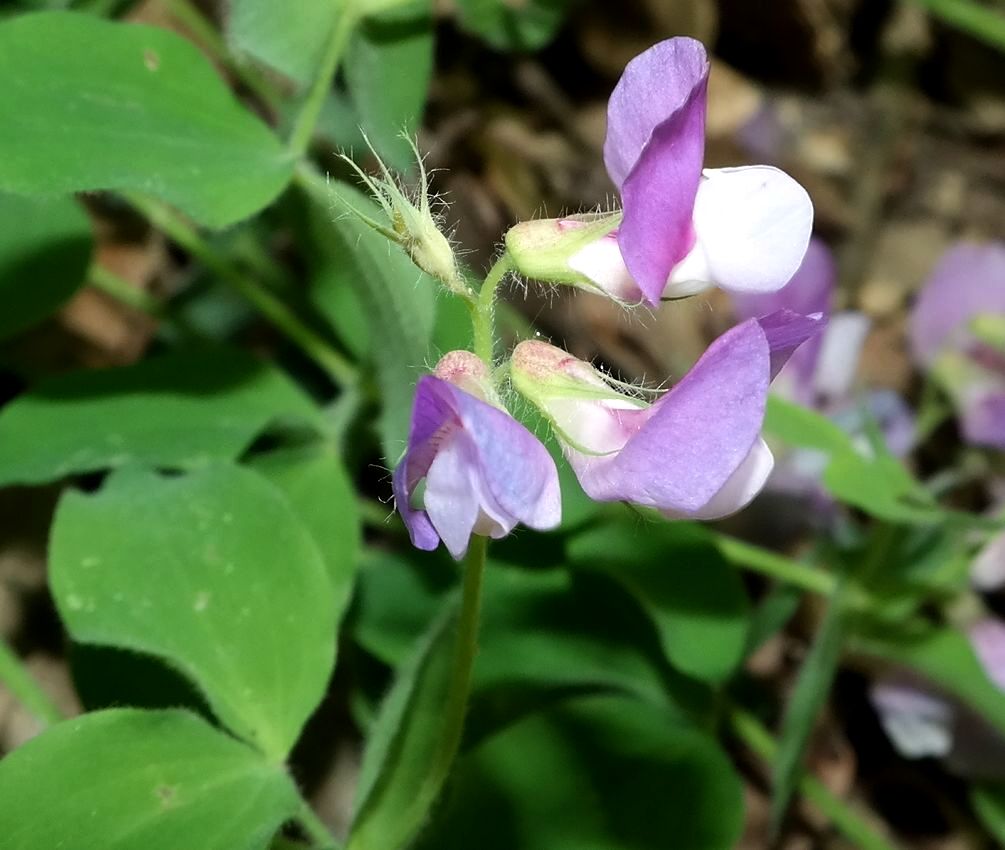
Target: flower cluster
[[694, 451]]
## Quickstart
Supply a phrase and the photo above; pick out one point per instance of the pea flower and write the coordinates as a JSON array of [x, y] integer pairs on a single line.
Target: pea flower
[[483, 472], [683, 229], [958, 332], [696, 451]]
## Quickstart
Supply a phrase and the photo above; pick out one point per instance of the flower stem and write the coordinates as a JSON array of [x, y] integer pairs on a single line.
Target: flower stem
[[319, 834], [842, 816], [124, 292], [307, 119], [24, 687], [483, 312], [339, 369], [776, 566]]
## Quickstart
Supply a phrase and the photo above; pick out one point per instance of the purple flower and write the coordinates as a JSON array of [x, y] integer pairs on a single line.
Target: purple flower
[[685, 229], [483, 471], [695, 452], [968, 284]]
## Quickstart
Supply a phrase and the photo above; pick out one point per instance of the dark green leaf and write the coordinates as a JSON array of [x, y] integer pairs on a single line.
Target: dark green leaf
[[595, 773], [694, 597], [45, 248], [988, 800], [146, 112], [214, 573], [509, 26], [182, 410], [138, 780]]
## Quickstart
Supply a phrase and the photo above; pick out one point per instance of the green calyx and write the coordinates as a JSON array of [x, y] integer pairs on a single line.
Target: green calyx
[[541, 249]]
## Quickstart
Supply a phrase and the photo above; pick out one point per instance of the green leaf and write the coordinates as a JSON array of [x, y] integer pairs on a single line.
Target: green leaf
[[145, 113], [399, 301], [390, 103], [944, 656], [401, 776], [319, 489], [290, 37], [809, 695], [45, 249], [136, 780], [181, 410], [799, 426], [693, 596], [595, 773], [509, 26], [214, 573], [988, 800]]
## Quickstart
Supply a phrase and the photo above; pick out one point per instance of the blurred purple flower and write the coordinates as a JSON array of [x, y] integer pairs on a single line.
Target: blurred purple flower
[[483, 471], [684, 229], [967, 284], [695, 452]]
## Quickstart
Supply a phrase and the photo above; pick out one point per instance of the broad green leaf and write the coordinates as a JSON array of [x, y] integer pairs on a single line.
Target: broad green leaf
[[212, 572], [945, 656], [45, 249], [181, 410], [693, 596], [403, 766], [809, 695], [880, 486], [146, 113], [291, 37], [126, 779], [988, 800], [398, 299], [319, 489], [390, 103], [514, 26], [594, 773]]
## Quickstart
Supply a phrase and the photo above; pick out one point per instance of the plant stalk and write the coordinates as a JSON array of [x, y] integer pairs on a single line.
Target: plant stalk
[[25, 689]]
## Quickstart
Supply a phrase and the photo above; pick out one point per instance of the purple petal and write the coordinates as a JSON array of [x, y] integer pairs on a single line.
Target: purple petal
[[420, 529], [919, 723], [968, 280], [785, 331], [450, 500], [654, 150], [987, 637], [983, 419], [740, 488], [698, 435]]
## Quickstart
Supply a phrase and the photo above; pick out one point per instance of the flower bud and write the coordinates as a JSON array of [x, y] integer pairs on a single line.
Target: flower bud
[[580, 251], [413, 225]]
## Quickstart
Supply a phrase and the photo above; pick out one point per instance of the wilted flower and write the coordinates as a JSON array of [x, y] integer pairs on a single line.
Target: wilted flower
[[697, 450], [955, 333], [683, 229], [470, 468]]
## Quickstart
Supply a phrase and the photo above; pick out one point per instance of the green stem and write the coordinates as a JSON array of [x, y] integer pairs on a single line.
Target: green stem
[[193, 19], [124, 292], [339, 369], [483, 312], [319, 834], [981, 22], [775, 566], [307, 119], [842, 816], [24, 687]]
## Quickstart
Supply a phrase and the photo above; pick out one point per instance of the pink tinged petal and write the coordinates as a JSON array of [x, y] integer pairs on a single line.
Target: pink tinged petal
[[919, 724], [753, 225], [697, 435], [450, 500], [968, 280], [740, 488], [988, 570], [987, 637], [658, 175], [601, 263]]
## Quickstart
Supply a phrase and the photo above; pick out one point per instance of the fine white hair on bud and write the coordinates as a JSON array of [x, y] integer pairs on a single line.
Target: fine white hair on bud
[[410, 220]]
